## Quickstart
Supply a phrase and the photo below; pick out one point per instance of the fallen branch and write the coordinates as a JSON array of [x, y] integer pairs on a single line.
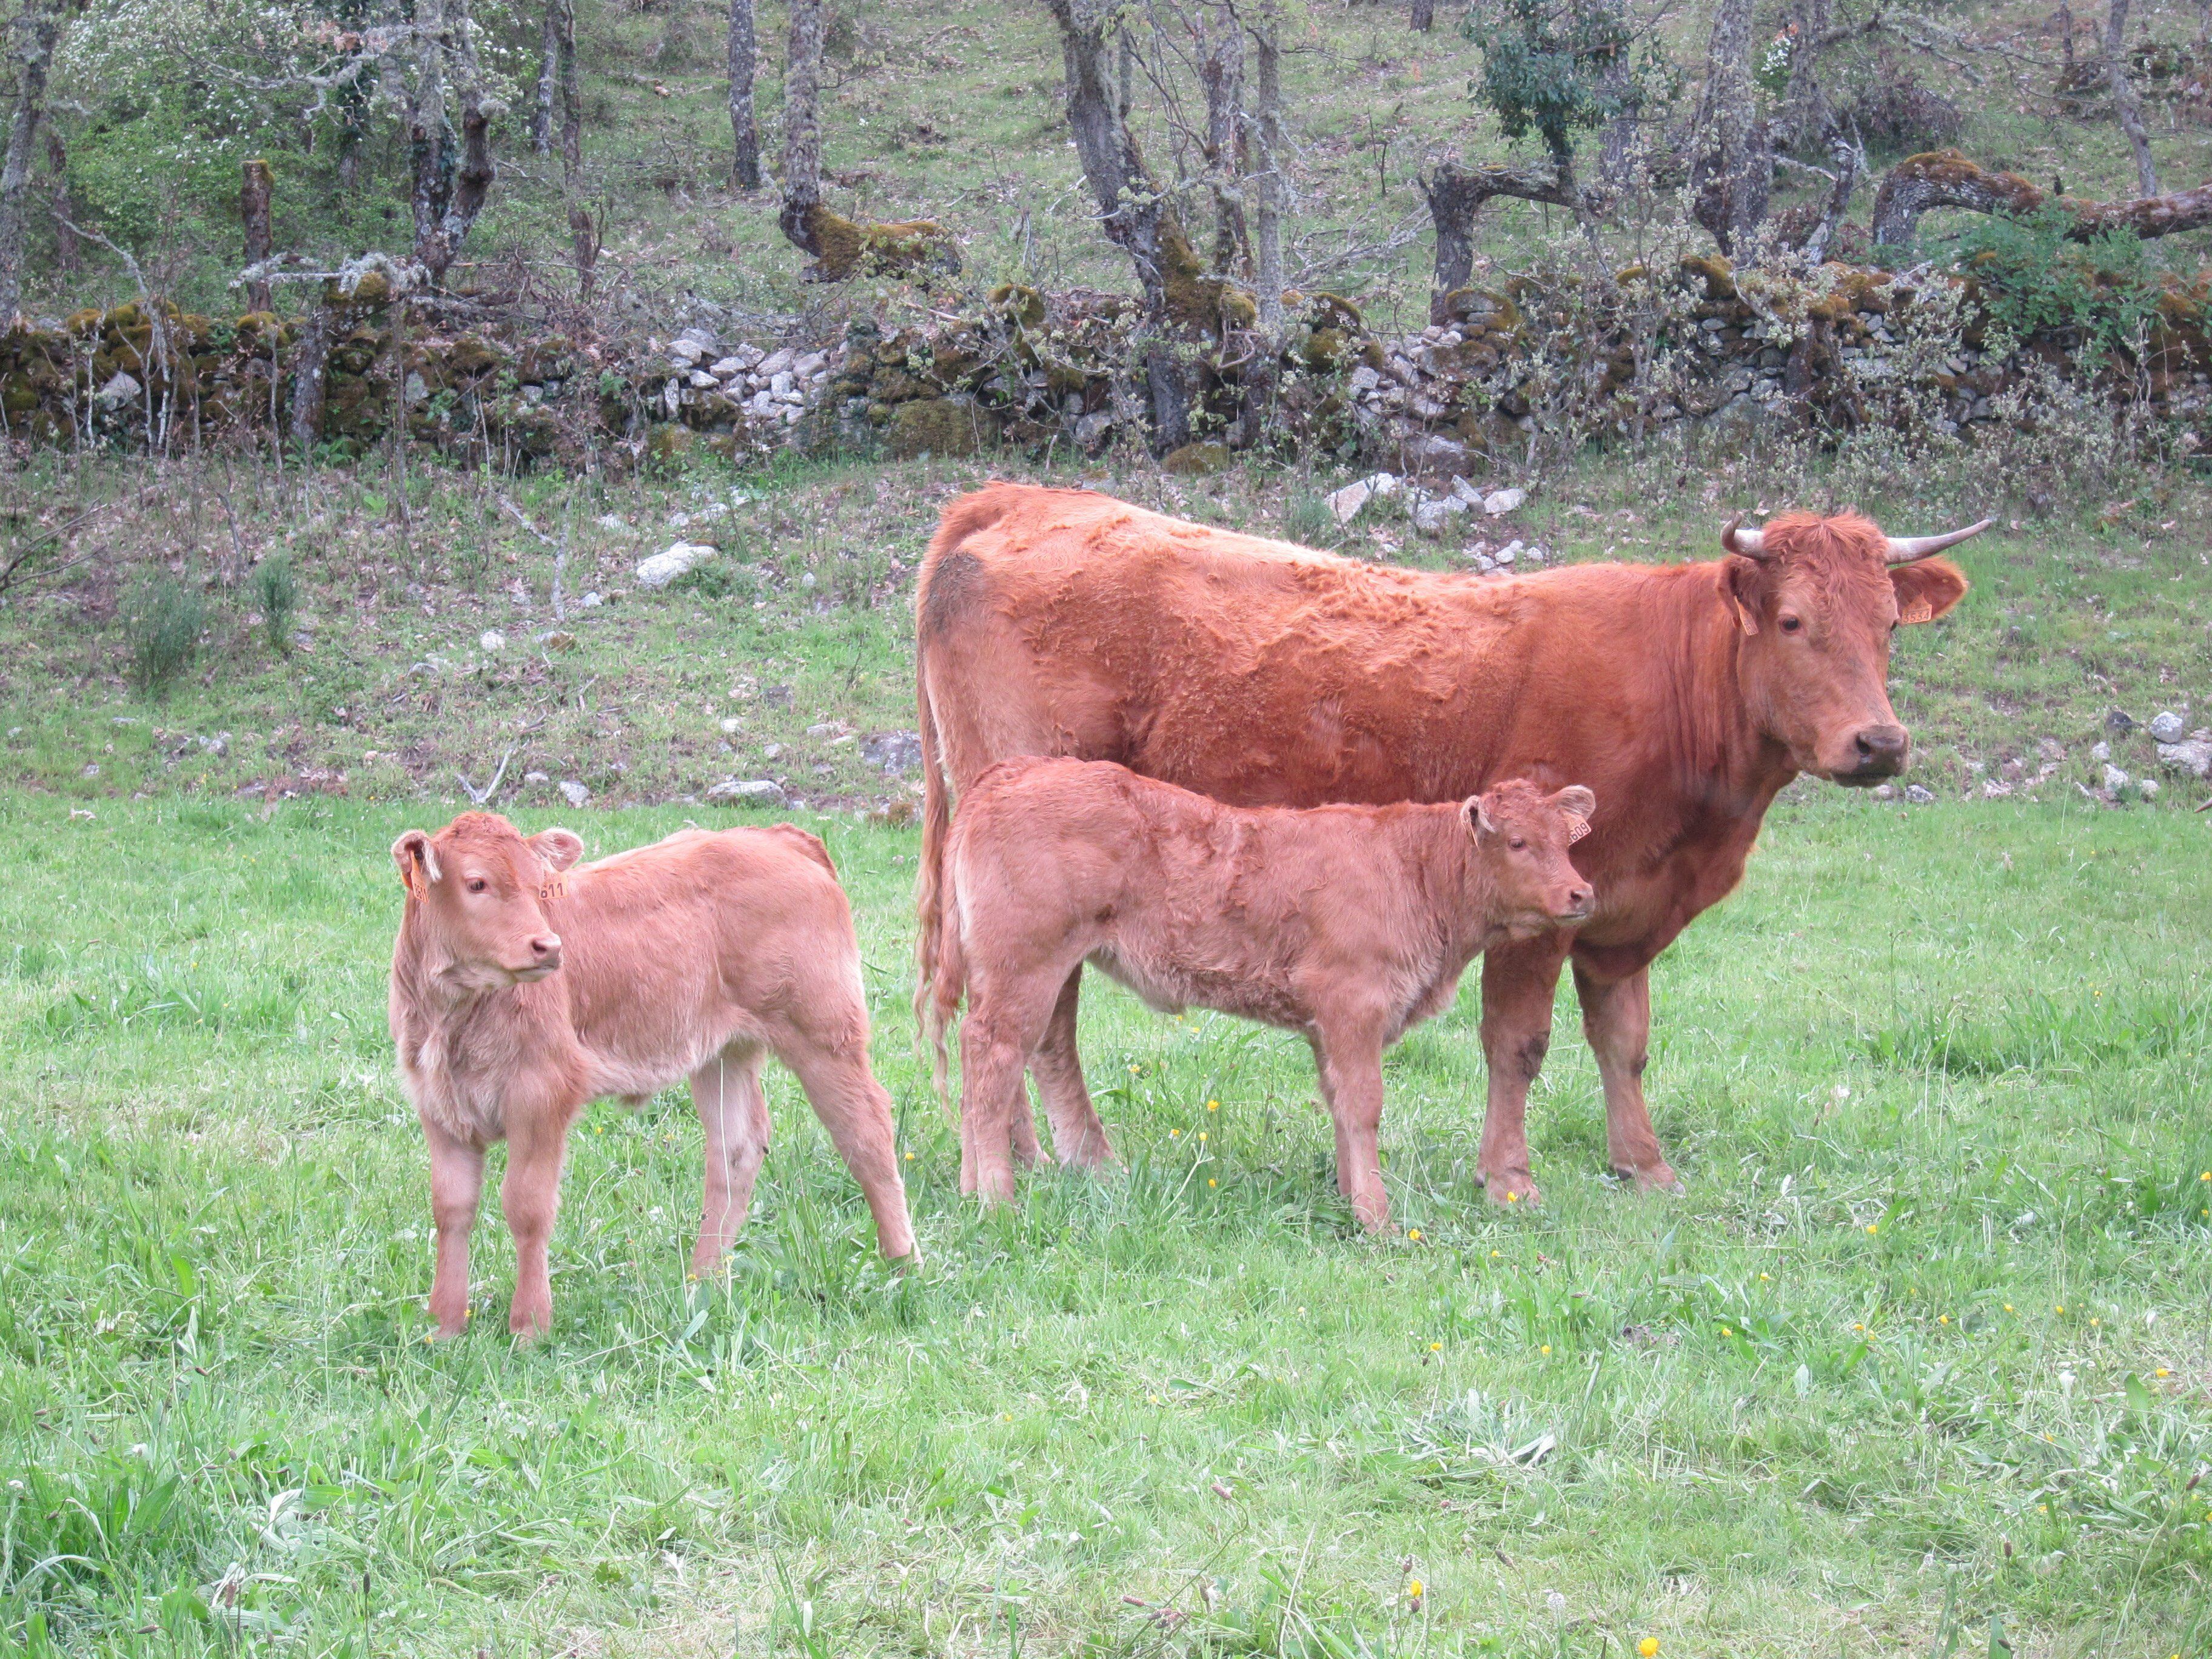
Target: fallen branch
[[1945, 178], [482, 797]]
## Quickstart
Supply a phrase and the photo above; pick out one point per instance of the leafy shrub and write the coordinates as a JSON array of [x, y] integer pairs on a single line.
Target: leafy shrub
[[162, 619], [1308, 519], [2035, 280], [276, 591], [717, 579], [1895, 113]]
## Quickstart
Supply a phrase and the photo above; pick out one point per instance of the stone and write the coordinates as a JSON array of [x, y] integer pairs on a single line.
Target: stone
[[1433, 452], [727, 369], [1197, 460], [2114, 779], [939, 426], [2147, 788], [1434, 514], [748, 791], [1919, 795], [1507, 554], [1363, 379], [120, 390], [2166, 726], [774, 364], [1382, 483], [893, 751], [748, 356], [492, 640], [1466, 492], [771, 750], [665, 567], [613, 523], [574, 792], [2101, 751], [593, 600], [1503, 501], [1346, 503], [684, 353], [2192, 755], [809, 366], [702, 381], [536, 777], [780, 383]]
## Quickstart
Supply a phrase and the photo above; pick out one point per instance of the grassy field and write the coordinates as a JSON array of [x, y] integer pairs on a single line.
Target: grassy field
[[1920, 1362]]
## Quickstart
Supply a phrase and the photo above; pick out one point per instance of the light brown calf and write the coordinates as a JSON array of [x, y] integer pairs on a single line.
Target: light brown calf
[[522, 989], [1348, 924]]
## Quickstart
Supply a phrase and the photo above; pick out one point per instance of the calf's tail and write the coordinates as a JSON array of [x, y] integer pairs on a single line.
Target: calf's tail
[[941, 971]]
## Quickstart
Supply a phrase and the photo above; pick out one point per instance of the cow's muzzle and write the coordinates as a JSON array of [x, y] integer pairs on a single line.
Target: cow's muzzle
[[1874, 754], [544, 959]]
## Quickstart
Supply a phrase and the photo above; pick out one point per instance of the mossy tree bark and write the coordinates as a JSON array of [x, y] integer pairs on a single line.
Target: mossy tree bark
[[57, 178], [1267, 177], [1222, 72], [38, 32], [1945, 178], [257, 187], [1732, 174], [2125, 104], [1456, 194], [556, 87], [802, 128], [449, 134], [745, 134]]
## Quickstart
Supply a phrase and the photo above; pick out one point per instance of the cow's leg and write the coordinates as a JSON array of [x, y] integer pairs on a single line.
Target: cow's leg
[[733, 1113], [1007, 1019], [1617, 1020], [456, 1184], [1518, 980], [530, 1196], [1078, 1137], [857, 1112], [1351, 1064]]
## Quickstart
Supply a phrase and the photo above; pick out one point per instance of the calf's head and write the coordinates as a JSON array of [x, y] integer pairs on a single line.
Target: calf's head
[[477, 889], [1818, 600], [1521, 835]]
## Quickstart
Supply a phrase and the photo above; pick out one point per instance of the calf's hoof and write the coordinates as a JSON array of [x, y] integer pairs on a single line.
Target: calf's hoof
[[1652, 1177], [527, 1324], [1513, 1186]]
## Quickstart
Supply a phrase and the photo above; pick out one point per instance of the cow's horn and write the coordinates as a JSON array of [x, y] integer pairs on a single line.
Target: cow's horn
[[1904, 549], [1752, 544]]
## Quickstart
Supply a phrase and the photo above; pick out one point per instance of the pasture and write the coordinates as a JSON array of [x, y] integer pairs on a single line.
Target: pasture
[[1921, 1362]]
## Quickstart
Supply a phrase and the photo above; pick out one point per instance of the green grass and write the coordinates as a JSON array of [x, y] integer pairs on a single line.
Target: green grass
[[1933, 1076]]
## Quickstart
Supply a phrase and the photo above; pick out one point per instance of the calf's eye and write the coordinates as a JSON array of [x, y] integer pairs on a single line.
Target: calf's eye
[[1791, 625], [1516, 843], [477, 883]]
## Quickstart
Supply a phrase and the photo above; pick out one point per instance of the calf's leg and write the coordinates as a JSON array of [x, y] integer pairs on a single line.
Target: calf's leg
[[1617, 1020], [1078, 1137], [1350, 1065], [530, 1196], [1518, 980], [733, 1113], [857, 1113], [1006, 1019], [456, 1184]]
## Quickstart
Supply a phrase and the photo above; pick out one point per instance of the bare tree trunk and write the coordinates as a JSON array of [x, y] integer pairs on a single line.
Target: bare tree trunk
[[1806, 115], [1733, 173], [453, 169], [802, 128], [2125, 104], [309, 379], [2066, 41], [38, 31], [548, 80], [255, 189], [1424, 15], [588, 235], [1222, 71], [65, 232], [1846, 158], [572, 97], [1456, 194], [744, 161], [1268, 247]]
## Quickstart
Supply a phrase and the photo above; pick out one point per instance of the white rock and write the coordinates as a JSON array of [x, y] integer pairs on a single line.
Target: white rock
[[1503, 501], [684, 353], [770, 750], [1365, 379], [120, 390], [2193, 755], [574, 792], [1509, 553], [811, 364], [728, 368], [703, 382], [748, 791], [1432, 515], [748, 356], [1918, 795], [731, 726], [2101, 752], [775, 363], [2166, 728], [614, 525], [2146, 788], [1382, 483], [536, 777], [1346, 503], [665, 567], [779, 384], [593, 600], [492, 640], [1466, 492], [2115, 779]]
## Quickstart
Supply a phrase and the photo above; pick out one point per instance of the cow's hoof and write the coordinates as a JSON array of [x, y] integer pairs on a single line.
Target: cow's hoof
[[1653, 1178], [1514, 1187]]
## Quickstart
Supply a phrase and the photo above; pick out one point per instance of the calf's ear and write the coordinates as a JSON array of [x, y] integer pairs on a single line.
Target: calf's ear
[[559, 848], [413, 852], [1927, 590], [1576, 802], [1479, 822]]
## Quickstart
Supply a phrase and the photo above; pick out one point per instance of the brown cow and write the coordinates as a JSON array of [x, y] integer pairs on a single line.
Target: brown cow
[[1063, 622], [1349, 925], [523, 989]]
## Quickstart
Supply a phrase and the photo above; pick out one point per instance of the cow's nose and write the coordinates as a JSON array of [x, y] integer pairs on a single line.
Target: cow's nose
[[1579, 898], [1881, 750], [545, 945]]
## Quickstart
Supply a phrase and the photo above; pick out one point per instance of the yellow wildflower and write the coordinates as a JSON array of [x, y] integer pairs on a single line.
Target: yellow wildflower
[[1413, 1233], [1647, 1647]]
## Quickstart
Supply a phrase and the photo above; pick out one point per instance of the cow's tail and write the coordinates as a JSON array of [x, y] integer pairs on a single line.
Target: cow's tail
[[941, 970]]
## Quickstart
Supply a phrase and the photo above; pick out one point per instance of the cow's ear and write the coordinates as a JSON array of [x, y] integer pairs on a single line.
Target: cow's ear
[[413, 852], [1479, 822], [1927, 589], [1739, 579], [559, 848], [1576, 802]]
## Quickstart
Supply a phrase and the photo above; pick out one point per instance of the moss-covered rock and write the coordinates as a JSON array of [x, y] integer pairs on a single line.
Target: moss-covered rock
[[939, 426], [1195, 460]]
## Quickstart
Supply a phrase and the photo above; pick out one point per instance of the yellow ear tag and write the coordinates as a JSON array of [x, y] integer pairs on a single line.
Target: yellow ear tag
[[1576, 829], [1918, 611]]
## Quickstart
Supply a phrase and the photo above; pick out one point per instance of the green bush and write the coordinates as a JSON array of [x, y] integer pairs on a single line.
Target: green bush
[[1308, 519], [276, 591], [162, 619], [2035, 280]]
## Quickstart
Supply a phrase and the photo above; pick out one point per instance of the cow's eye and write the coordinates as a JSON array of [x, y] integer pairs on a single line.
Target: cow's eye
[[1791, 625], [477, 883], [1516, 843]]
